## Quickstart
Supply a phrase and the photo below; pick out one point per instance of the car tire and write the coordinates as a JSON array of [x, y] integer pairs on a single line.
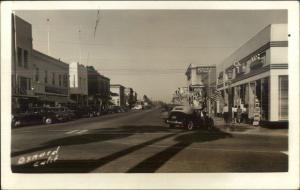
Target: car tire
[[190, 126], [15, 124], [48, 121], [211, 123]]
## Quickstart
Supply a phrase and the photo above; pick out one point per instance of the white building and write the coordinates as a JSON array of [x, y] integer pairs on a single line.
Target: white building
[[50, 79], [78, 83], [201, 80], [256, 75], [117, 94]]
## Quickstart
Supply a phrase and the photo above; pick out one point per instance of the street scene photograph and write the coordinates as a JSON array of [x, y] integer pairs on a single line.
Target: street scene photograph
[[149, 91]]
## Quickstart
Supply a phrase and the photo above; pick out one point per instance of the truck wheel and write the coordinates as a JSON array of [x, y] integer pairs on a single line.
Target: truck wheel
[[190, 125]]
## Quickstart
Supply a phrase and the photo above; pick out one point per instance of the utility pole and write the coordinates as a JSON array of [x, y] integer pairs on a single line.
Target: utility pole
[[16, 52], [79, 31], [48, 35]]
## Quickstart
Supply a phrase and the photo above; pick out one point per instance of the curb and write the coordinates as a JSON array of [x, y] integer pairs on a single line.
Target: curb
[[250, 131]]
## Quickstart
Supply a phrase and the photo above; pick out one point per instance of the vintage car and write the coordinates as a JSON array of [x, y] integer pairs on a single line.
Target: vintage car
[[33, 116], [188, 117]]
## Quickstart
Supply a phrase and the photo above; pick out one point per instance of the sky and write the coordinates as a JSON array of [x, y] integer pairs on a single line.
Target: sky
[[147, 50]]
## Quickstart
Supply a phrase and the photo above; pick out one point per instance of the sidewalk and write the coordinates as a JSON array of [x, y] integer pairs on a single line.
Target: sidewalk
[[243, 128]]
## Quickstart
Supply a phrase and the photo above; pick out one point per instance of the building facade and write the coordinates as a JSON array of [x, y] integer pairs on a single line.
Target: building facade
[[22, 92], [129, 97], [118, 94], [37, 79], [181, 96], [201, 82], [98, 89], [255, 76], [78, 83], [50, 79]]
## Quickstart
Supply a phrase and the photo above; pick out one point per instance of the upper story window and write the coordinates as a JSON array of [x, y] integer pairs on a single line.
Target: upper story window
[[65, 80], [59, 80], [37, 78], [53, 78], [46, 77], [25, 59], [19, 52]]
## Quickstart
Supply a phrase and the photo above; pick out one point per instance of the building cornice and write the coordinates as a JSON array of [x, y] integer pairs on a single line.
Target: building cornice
[[255, 72]]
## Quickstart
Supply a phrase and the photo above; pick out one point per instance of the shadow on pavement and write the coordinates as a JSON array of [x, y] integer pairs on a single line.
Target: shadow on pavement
[[82, 166], [154, 162], [96, 135]]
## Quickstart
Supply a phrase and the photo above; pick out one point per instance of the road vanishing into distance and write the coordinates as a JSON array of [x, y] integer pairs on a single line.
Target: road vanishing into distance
[[140, 142]]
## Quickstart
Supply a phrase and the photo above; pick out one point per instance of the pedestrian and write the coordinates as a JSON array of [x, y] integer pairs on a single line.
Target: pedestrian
[[225, 113], [234, 114], [239, 114]]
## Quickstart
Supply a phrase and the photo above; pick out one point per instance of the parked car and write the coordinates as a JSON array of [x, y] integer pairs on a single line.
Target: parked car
[[85, 111], [188, 117], [116, 109], [63, 113], [33, 116]]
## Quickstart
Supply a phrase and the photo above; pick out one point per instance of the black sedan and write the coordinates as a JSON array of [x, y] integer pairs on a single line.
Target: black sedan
[[34, 116], [188, 117]]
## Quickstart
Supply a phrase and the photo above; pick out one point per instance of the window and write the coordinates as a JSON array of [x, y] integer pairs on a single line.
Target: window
[[46, 77], [283, 97], [36, 74], [59, 80], [65, 81], [265, 98], [19, 52], [24, 85], [80, 82], [25, 59], [53, 78]]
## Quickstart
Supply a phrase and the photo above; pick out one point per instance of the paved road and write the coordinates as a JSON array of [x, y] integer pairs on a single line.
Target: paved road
[[138, 142]]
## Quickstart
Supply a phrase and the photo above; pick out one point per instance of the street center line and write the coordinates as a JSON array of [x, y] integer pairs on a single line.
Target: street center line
[[285, 152], [82, 131], [70, 132]]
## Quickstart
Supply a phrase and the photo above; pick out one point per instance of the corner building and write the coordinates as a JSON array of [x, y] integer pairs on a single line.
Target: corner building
[[255, 76]]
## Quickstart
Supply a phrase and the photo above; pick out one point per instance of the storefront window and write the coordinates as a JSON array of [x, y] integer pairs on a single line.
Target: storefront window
[[265, 98], [283, 97]]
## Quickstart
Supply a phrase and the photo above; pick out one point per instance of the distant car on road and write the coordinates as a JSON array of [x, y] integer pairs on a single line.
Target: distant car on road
[[138, 107], [188, 117]]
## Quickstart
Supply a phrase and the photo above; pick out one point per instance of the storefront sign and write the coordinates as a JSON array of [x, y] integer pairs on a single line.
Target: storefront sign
[[256, 62], [201, 70], [257, 113], [51, 89]]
